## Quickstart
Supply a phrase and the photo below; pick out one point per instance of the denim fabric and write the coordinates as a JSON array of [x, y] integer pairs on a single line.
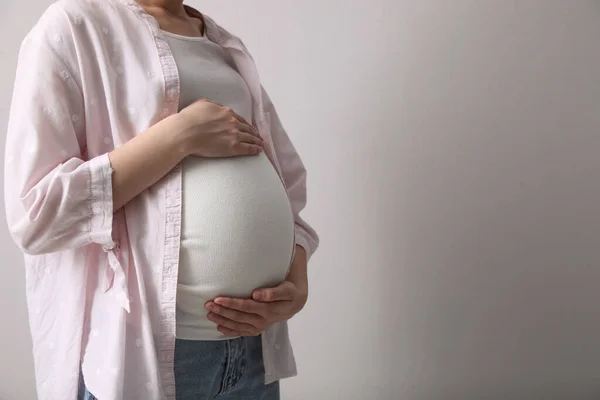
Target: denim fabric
[[221, 369]]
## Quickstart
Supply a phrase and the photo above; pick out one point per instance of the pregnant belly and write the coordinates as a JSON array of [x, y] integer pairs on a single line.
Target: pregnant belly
[[237, 235]]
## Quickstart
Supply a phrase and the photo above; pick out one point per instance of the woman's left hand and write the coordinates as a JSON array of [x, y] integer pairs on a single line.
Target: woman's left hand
[[251, 317], [268, 306]]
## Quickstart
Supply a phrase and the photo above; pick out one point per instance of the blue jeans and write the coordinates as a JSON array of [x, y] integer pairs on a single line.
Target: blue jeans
[[221, 369]]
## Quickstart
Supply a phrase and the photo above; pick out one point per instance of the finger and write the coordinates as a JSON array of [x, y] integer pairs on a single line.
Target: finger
[[245, 149], [279, 293], [209, 101], [239, 316], [247, 128], [244, 137], [233, 325], [244, 305], [242, 119], [239, 118]]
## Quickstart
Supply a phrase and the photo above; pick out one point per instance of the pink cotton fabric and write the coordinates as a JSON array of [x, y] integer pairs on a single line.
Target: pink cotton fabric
[[101, 287]]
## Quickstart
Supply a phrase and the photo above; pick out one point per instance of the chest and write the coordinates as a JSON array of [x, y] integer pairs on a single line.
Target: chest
[[206, 70], [134, 82]]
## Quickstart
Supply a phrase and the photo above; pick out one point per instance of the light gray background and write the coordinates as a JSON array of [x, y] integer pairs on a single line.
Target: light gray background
[[454, 157]]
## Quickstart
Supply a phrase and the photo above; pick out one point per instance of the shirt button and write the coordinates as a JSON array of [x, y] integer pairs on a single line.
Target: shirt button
[[277, 347], [97, 209]]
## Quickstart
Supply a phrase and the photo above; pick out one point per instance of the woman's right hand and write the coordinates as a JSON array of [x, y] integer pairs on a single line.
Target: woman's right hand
[[209, 129]]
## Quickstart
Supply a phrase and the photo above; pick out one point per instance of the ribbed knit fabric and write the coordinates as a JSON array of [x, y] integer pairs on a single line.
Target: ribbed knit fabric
[[237, 224]]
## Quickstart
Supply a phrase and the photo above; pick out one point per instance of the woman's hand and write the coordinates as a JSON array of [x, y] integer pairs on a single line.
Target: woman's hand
[[209, 129], [251, 317]]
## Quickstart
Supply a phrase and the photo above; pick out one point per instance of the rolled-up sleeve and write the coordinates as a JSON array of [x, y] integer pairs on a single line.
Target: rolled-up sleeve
[[294, 175], [55, 197]]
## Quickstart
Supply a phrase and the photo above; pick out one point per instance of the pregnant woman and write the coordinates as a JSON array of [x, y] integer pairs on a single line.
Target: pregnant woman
[[156, 197]]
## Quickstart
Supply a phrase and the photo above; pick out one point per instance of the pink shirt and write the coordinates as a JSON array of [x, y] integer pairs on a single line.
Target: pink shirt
[[101, 286]]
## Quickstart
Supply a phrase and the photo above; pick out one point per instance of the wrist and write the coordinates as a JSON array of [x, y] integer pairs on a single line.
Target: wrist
[[301, 284], [178, 128]]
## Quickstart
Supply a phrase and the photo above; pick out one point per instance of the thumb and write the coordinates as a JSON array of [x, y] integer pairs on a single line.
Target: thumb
[[279, 293]]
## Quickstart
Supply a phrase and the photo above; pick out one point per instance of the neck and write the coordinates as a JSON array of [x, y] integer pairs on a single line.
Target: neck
[[174, 7]]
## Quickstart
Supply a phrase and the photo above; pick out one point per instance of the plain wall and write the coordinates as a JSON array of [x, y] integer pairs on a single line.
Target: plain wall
[[453, 150]]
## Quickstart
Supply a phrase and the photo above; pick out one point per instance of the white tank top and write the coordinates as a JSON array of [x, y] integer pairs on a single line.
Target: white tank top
[[237, 231]]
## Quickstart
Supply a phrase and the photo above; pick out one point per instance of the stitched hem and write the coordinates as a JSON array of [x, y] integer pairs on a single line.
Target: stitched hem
[[101, 200]]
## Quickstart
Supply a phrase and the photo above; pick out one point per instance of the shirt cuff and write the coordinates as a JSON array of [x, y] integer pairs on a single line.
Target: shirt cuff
[[101, 200]]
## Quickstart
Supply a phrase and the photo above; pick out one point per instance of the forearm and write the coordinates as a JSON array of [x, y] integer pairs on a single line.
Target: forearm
[[298, 273], [144, 160]]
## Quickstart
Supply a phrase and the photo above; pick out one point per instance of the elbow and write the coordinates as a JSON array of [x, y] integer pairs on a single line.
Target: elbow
[[39, 237], [31, 251], [31, 238], [29, 244]]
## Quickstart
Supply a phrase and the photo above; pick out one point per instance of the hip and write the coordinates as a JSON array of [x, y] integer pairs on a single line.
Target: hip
[[230, 369]]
